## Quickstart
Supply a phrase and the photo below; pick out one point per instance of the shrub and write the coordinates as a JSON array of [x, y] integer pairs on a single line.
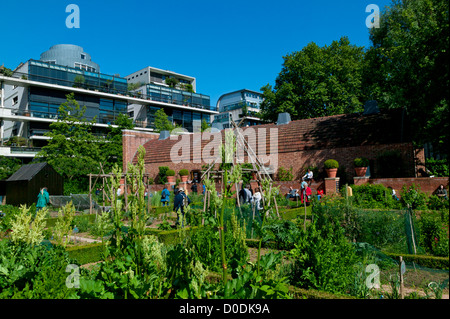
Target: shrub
[[331, 163], [162, 177], [383, 229], [323, 259], [438, 168], [183, 172], [10, 214], [33, 272], [284, 174], [436, 203], [361, 162], [86, 254], [206, 245], [170, 172], [434, 233], [372, 196], [413, 197]]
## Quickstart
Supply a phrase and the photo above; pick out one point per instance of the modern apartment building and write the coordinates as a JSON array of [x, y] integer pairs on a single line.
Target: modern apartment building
[[176, 94], [30, 98], [238, 105]]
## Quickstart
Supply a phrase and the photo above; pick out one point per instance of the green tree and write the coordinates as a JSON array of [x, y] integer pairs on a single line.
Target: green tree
[[408, 65], [73, 150], [5, 71], [317, 81], [112, 149], [8, 166], [172, 82], [162, 122], [205, 125], [79, 81]]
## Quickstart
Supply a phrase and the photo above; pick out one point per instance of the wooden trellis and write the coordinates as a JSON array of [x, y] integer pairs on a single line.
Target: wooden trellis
[[255, 161], [106, 195]]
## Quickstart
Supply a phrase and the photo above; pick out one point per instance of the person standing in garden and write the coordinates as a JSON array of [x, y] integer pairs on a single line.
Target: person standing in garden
[[257, 199], [305, 193], [180, 202], [43, 199], [165, 195], [194, 188]]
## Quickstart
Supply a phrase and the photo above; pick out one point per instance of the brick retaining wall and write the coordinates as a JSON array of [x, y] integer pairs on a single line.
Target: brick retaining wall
[[427, 184]]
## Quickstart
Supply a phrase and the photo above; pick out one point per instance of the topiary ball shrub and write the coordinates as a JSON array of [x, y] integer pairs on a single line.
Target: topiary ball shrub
[[331, 163], [183, 172], [170, 172], [361, 162]]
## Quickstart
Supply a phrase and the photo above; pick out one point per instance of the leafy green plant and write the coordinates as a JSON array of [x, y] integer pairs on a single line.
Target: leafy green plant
[[434, 234], [170, 172], [285, 174], [413, 197], [331, 163], [8, 166], [33, 271], [26, 229], [435, 289], [63, 226], [162, 177], [372, 196], [438, 168], [323, 259], [103, 226], [361, 162], [164, 226], [283, 233], [183, 172]]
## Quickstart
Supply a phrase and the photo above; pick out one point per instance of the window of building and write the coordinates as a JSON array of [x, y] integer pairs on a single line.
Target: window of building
[[15, 100]]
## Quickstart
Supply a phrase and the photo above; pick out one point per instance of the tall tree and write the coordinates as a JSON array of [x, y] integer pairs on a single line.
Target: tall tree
[[73, 150], [408, 66], [317, 81], [162, 122], [8, 166], [112, 149]]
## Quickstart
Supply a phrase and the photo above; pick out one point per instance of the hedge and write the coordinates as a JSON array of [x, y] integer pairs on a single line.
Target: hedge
[[300, 293], [424, 260], [169, 237], [51, 222], [293, 213], [86, 254]]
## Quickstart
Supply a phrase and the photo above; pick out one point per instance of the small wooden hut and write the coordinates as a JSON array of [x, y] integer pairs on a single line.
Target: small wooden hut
[[24, 185]]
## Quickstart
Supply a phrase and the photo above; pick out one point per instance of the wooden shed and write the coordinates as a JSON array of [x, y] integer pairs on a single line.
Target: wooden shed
[[24, 185]]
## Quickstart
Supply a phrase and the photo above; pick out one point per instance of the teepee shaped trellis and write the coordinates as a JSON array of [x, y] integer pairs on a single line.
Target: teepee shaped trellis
[[257, 167]]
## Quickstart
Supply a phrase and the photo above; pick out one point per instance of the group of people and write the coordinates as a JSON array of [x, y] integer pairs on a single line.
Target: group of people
[[247, 196], [180, 201], [305, 193]]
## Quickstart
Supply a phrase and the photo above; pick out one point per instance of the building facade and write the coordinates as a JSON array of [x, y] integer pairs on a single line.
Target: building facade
[[179, 99], [238, 105], [31, 97]]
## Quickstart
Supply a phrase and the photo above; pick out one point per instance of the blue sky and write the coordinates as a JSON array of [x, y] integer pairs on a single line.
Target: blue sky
[[226, 45]]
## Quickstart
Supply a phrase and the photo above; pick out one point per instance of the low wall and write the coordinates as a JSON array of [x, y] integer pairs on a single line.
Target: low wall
[[427, 184]]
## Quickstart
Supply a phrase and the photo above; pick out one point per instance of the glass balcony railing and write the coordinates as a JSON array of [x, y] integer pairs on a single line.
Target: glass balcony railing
[[163, 94]]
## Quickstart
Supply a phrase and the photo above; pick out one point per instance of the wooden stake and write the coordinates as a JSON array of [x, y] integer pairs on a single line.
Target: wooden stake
[[90, 193], [276, 207]]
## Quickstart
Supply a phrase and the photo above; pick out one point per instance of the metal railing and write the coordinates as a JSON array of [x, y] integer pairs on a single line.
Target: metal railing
[[110, 90]]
